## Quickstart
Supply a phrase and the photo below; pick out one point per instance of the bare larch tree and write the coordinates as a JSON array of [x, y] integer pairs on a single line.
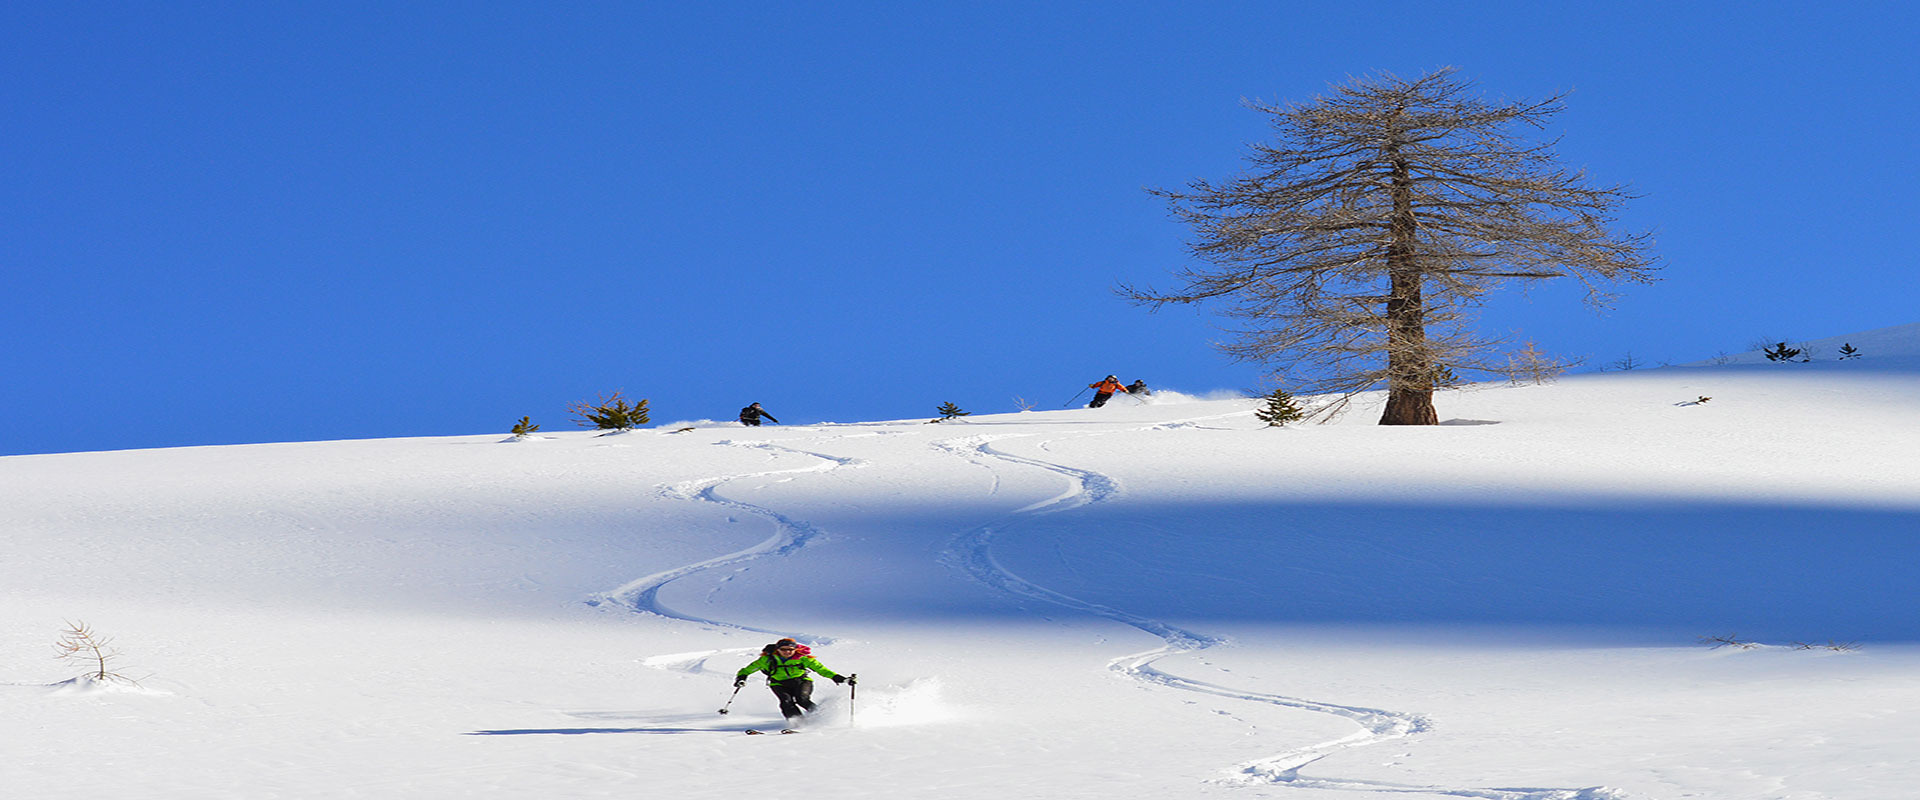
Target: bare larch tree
[[1354, 248]]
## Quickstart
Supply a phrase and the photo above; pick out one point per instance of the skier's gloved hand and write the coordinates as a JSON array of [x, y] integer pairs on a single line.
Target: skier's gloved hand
[[839, 679], [739, 681]]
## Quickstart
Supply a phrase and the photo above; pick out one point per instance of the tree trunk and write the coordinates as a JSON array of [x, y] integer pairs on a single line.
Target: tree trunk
[[1409, 364], [1410, 407], [1409, 368]]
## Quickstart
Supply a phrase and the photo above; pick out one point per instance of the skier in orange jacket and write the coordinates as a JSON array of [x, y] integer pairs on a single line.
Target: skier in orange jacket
[[1103, 391]]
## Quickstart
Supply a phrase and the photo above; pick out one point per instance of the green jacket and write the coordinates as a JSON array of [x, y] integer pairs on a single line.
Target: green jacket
[[785, 669]]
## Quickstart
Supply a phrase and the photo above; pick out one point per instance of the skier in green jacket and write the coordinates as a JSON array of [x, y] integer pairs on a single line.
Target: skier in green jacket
[[786, 663]]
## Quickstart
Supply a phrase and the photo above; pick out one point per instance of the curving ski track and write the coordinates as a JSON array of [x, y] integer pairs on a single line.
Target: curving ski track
[[789, 536], [971, 552]]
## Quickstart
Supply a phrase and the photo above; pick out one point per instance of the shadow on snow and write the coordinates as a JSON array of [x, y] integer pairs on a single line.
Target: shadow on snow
[[1774, 572]]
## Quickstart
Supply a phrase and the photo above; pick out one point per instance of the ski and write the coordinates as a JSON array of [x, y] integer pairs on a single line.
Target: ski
[[763, 733]]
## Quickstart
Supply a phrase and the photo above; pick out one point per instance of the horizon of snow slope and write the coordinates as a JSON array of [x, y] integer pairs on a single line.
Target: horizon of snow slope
[[1159, 598]]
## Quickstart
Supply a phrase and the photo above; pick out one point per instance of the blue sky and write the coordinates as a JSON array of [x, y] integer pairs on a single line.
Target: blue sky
[[225, 223]]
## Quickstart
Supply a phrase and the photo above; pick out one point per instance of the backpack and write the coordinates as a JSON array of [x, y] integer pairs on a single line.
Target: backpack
[[799, 651]]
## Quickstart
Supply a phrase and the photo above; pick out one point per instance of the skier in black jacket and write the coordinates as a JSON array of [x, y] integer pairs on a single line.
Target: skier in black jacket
[[750, 416]]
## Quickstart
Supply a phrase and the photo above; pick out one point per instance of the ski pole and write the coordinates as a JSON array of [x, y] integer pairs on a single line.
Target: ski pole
[[853, 690], [736, 693], [1076, 398]]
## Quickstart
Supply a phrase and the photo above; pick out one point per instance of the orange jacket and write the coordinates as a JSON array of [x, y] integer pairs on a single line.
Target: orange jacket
[[1108, 387]]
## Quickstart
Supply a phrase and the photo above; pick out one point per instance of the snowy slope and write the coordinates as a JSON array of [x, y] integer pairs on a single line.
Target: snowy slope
[[1162, 599]]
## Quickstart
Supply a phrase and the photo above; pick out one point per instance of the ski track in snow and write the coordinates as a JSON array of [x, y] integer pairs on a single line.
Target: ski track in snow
[[790, 535], [971, 552]]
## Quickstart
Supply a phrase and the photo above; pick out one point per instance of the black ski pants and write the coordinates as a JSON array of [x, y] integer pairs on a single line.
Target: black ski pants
[[1100, 399], [796, 697]]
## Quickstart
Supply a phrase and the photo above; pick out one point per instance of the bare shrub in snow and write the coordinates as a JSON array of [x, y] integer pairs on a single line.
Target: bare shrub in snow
[[1732, 640], [1530, 363], [79, 645]]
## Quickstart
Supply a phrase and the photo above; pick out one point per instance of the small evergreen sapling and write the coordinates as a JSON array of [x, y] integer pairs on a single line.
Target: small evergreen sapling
[[949, 411], [611, 413], [1781, 352], [524, 428], [1848, 351], [1280, 410]]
